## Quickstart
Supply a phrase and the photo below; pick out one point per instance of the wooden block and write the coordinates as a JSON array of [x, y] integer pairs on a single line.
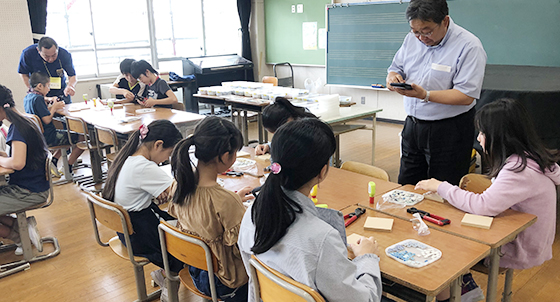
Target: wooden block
[[353, 238], [263, 157], [477, 221], [434, 197], [378, 224], [243, 154]]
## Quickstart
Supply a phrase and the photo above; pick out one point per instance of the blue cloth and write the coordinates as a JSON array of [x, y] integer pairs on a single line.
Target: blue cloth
[[32, 180], [457, 62], [35, 104], [31, 61], [200, 280], [158, 91]]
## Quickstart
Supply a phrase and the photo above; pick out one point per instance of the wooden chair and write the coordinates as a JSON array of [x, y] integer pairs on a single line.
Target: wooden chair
[[107, 138], [365, 169], [116, 218], [79, 126], [192, 251], [271, 286], [63, 149], [478, 183], [273, 80], [28, 257]]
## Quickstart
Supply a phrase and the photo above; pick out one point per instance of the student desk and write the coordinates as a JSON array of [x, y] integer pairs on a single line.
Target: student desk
[[458, 256], [504, 229], [101, 116]]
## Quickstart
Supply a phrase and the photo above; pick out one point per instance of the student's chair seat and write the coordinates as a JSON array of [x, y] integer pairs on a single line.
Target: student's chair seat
[[28, 256], [116, 218], [107, 139], [365, 169], [63, 149], [271, 286], [190, 250], [272, 80], [478, 183]]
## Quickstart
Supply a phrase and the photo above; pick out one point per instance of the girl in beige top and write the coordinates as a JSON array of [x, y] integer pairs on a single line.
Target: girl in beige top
[[207, 210]]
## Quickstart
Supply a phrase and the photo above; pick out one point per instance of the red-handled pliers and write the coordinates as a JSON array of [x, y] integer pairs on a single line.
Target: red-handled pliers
[[430, 217], [353, 216]]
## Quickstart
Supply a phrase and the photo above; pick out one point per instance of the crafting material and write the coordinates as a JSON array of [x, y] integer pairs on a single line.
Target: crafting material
[[379, 224], [353, 216], [263, 157], [371, 192], [413, 253], [145, 110], [353, 238], [430, 217], [401, 197], [433, 196], [243, 153], [477, 221]]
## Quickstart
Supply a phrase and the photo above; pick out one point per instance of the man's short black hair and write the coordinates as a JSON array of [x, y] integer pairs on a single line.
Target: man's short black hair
[[427, 10], [38, 78], [125, 65], [139, 67], [46, 42]]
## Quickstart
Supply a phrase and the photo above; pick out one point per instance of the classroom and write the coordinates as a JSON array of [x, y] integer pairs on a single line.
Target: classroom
[[317, 150]]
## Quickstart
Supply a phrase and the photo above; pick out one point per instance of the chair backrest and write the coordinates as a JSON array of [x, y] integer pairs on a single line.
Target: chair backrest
[[107, 136], [77, 125], [285, 82], [49, 179], [365, 169], [476, 183], [271, 286], [110, 214], [36, 120], [273, 80]]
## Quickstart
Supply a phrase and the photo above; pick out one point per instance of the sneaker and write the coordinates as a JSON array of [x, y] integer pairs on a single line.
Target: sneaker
[[19, 250], [34, 233], [54, 171], [470, 291], [159, 279]]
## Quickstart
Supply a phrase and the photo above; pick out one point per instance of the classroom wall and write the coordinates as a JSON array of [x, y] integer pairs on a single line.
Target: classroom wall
[[15, 30]]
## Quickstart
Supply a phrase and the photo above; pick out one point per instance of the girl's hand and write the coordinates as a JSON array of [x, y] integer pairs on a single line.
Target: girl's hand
[[365, 246], [262, 149], [428, 185], [244, 193], [149, 103]]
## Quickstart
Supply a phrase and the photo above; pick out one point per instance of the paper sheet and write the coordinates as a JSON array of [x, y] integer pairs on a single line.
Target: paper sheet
[[309, 33]]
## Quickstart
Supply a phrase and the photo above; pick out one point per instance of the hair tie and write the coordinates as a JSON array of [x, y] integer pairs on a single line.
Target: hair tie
[[275, 168], [143, 131], [6, 105]]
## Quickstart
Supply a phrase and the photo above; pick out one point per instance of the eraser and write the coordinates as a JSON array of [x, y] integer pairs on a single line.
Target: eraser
[[477, 221], [353, 238], [378, 224]]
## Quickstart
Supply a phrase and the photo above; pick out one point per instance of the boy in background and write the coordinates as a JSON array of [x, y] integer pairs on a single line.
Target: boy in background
[[34, 103], [159, 93], [126, 87]]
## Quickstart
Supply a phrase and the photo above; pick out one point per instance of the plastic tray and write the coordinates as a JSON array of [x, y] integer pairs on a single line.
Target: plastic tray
[[401, 197], [413, 253]]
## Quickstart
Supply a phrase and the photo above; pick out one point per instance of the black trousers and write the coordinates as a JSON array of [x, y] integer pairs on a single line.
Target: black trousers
[[436, 149]]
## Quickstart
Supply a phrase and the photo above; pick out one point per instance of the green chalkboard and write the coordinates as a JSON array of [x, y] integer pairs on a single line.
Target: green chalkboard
[[363, 38], [284, 39]]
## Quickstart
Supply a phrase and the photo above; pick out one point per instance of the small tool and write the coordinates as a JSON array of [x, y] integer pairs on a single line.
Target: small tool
[[430, 217], [353, 216]]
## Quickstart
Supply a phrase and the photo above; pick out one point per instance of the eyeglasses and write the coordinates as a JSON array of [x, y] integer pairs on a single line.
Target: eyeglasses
[[426, 35]]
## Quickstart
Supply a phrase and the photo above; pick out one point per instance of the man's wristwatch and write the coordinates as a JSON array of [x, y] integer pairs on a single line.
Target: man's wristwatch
[[427, 98]]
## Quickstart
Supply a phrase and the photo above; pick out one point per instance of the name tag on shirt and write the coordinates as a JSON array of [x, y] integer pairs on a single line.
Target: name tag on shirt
[[56, 83], [440, 67]]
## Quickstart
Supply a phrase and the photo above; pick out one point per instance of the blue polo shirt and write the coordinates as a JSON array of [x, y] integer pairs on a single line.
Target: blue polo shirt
[[31, 61], [35, 104], [457, 62], [32, 180]]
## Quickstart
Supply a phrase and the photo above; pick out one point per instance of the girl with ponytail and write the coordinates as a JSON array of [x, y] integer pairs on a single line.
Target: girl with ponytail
[[288, 233], [205, 209], [134, 179], [28, 185]]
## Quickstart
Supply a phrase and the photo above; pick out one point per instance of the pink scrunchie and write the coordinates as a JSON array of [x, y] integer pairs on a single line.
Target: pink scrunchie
[[143, 131], [275, 168]]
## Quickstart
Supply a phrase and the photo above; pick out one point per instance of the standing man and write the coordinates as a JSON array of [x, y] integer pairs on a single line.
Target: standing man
[[444, 63], [52, 60]]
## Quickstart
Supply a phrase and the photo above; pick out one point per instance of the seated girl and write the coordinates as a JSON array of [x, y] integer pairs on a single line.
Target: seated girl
[[524, 174], [134, 179], [28, 185], [276, 115], [285, 230], [207, 210]]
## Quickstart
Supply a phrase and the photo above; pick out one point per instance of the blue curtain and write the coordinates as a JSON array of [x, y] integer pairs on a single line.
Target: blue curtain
[[37, 16]]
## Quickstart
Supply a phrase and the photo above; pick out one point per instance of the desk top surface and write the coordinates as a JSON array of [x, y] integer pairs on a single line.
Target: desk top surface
[[101, 116], [458, 254], [505, 226]]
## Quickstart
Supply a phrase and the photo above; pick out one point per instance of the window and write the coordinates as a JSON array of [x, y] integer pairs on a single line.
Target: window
[[101, 33]]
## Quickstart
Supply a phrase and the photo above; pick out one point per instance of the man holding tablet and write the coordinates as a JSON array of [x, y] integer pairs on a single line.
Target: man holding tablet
[[444, 65]]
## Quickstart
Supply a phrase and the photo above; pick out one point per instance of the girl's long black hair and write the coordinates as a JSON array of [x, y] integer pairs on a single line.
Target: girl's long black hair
[[302, 148], [36, 146], [212, 138], [163, 130], [279, 112], [508, 130]]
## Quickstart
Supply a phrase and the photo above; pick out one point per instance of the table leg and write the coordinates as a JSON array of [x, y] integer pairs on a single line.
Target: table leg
[[336, 161], [245, 129], [96, 170], [455, 290], [429, 298], [212, 110], [492, 289], [260, 128], [373, 130]]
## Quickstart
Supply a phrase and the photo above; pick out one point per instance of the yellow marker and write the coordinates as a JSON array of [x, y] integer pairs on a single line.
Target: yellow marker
[[371, 192], [314, 194]]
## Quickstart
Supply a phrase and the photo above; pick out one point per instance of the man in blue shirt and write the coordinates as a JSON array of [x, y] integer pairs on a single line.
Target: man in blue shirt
[[445, 64], [54, 61]]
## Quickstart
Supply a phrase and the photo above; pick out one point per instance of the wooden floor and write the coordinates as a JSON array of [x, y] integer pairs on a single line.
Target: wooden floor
[[85, 271]]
